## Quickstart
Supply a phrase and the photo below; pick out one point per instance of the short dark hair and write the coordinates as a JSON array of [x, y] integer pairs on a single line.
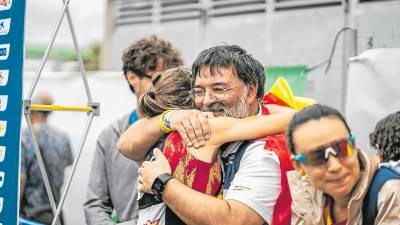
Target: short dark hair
[[314, 112], [386, 137], [247, 68], [144, 56]]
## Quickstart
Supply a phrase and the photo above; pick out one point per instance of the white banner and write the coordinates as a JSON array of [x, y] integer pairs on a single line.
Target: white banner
[[373, 91]]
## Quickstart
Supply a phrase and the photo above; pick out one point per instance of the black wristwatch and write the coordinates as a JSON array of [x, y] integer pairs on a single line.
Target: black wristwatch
[[159, 185]]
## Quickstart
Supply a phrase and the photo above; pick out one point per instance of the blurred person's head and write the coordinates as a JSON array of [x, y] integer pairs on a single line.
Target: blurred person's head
[[228, 81], [43, 98], [324, 150], [170, 89], [144, 58], [386, 138]]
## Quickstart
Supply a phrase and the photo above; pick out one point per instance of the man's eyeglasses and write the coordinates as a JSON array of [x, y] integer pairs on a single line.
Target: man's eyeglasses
[[216, 93], [341, 149]]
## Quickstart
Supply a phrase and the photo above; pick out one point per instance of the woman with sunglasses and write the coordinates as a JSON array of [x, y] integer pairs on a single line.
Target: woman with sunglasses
[[200, 168], [333, 175]]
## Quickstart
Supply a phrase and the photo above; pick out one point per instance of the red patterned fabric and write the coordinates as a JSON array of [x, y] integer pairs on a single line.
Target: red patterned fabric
[[277, 143], [194, 173]]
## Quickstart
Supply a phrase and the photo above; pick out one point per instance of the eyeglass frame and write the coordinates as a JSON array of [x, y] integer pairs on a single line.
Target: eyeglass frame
[[328, 150], [211, 94]]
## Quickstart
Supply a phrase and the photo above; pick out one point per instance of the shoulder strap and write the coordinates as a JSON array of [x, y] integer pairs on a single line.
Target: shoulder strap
[[159, 144], [231, 163], [370, 208]]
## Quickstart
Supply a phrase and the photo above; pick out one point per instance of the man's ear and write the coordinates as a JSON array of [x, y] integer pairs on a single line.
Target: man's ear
[[133, 78], [252, 93]]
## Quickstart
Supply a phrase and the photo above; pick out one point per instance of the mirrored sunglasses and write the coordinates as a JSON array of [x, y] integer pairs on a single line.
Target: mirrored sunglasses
[[319, 156]]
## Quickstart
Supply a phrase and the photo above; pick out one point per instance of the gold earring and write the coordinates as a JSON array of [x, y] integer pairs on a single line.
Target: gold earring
[[302, 173]]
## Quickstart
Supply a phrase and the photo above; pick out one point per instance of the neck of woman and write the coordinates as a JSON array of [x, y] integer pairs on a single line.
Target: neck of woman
[[339, 208]]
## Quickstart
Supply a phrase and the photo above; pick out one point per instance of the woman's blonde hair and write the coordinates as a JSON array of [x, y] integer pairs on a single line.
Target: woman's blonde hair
[[171, 89]]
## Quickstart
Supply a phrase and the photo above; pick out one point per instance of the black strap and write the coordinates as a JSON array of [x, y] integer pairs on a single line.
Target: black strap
[[232, 163], [171, 218]]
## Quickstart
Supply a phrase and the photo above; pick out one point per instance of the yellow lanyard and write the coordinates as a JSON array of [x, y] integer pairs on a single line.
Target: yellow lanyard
[[328, 215], [327, 212]]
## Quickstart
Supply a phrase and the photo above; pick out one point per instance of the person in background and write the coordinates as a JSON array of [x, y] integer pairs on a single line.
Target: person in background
[[56, 152], [386, 140], [333, 175], [113, 178]]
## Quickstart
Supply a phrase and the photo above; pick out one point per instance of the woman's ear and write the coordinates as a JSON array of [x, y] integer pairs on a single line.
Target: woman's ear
[[298, 167]]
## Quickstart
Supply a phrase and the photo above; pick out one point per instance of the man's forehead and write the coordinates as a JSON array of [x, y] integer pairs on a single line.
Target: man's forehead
[[216, 71]]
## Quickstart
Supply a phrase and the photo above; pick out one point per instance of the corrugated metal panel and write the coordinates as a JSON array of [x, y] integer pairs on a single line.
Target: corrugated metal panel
[[220, 8], [133, 12], [176, 10], [302, 4], [364, 1]]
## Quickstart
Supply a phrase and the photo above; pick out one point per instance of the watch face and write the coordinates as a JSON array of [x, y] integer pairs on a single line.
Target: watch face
[[157, 186], [166, 123]]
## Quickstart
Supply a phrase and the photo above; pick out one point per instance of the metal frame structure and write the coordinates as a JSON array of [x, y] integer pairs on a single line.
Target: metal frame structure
[[92, 109]]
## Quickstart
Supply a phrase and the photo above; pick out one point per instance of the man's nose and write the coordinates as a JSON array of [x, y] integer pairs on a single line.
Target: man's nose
[[208, 99]]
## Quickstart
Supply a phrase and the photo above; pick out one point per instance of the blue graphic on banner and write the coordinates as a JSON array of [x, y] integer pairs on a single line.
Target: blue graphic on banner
[[12, 16]]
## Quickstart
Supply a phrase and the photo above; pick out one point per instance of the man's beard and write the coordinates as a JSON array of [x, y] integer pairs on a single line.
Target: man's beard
[[238, 109]]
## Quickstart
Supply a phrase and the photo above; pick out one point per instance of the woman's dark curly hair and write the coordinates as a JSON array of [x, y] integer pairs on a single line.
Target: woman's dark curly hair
[[386, 137]]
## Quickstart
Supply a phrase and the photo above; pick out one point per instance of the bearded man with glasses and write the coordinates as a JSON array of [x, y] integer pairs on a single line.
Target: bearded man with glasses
[[228, 82]]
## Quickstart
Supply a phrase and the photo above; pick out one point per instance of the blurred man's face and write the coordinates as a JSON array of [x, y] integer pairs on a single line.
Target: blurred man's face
[[222, 93], [144, 85], [145, 82]]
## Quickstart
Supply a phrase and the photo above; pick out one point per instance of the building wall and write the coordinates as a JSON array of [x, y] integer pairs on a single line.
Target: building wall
[[283, 33]]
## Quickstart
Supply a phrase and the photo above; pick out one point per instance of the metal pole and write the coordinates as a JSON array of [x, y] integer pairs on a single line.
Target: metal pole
[[79, 56], [46, 54], [42, 168], [349, 50], [65, 192]]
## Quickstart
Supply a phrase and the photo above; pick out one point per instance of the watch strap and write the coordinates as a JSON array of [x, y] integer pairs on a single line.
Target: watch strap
[[159, 184]]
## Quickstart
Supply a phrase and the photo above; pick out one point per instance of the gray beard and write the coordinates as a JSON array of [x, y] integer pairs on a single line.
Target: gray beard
[[238, 109]]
